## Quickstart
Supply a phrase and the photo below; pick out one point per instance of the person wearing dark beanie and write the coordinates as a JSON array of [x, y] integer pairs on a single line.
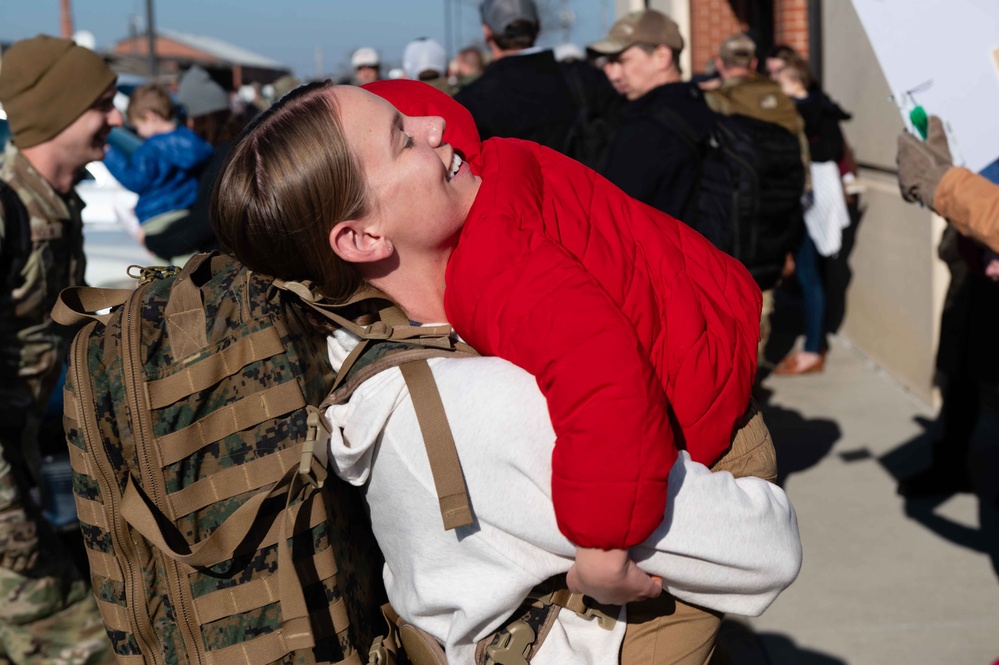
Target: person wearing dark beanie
[[58, 99]]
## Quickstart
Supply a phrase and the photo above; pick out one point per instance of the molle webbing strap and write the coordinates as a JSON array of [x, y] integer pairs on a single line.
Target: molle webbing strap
[[185, 312], [77, 304], [115, 616], [444, 463], [205, 373], [224, 542], [257, 593], [104, 565], [234, 481], [247, 412], [316, 516], [70, 407], [137, 509], [263, 650], [78, 460], [92, 513]]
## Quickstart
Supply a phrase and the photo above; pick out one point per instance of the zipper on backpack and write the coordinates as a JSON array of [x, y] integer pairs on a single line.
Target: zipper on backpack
[[121, 540], [149, 469]]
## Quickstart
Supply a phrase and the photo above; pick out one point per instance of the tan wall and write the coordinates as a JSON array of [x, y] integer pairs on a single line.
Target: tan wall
[[679, 11], [895, 297]]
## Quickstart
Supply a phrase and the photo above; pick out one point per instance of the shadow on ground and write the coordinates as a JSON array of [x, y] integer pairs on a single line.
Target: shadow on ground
[[800, 442], [983, 462], [739, 645]]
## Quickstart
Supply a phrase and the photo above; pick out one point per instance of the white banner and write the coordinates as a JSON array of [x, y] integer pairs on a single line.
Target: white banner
[[942, 55]]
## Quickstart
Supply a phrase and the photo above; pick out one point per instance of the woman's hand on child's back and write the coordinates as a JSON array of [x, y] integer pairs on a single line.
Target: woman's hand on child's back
[[611, 577]]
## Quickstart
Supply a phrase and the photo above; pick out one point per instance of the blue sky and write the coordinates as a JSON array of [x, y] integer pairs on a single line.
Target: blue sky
[[291, 30]]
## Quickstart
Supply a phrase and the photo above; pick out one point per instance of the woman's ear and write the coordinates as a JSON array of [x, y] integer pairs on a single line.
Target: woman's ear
[[356, 242]]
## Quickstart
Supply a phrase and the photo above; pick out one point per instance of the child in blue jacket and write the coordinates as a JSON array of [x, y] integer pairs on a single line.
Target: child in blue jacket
[[164, 170]]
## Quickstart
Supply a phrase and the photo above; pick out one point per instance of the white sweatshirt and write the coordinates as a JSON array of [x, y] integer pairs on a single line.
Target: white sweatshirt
[[726, 544]]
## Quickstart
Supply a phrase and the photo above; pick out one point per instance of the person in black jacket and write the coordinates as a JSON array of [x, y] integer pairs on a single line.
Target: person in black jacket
[[525, 93], [649, 157]]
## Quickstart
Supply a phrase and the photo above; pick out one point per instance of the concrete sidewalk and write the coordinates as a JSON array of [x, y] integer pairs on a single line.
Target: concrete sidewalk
[[883, 581]]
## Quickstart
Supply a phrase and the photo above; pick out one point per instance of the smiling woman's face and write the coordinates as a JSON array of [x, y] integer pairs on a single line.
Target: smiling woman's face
[[416, 199]]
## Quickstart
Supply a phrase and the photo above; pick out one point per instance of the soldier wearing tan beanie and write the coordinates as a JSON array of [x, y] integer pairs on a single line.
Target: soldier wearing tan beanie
[[46, 83], [58, 99]]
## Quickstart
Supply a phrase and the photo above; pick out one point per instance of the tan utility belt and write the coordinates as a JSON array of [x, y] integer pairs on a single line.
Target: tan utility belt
[[515, 643]]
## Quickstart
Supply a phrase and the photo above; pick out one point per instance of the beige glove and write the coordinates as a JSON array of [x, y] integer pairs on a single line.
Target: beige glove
[[921, 164]]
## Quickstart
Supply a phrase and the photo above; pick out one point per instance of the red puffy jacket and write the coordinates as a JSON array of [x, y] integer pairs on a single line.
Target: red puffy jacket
[[641, 334]]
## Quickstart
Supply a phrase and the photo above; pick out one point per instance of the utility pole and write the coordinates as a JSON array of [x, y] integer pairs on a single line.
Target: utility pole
[[65, 19], [448, 37], [151, 37], [320, 62]]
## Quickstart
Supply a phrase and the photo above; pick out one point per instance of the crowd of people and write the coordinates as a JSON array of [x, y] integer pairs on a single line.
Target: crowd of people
[[611, 236]]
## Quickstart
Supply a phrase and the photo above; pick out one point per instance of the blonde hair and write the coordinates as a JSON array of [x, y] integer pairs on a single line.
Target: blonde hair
[[290, 178], [150, 97]]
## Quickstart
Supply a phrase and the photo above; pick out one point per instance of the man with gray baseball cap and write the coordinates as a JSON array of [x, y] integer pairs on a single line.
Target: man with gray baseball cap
[[525, 93], [652, 156]]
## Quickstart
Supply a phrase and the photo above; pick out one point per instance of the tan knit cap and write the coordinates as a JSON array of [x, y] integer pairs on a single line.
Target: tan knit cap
[[46, 83]]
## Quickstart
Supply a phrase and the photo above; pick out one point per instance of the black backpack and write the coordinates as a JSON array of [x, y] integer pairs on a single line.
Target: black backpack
[[589, 136], [750, 183]]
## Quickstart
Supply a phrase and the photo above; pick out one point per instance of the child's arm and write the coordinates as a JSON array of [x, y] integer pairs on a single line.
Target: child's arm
[[135, 174], [611, 577]]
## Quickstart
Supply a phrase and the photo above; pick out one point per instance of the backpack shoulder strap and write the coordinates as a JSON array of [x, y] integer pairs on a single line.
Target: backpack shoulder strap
[[449, 479], [445, 466], [16, 234], [575, 83], [674, 121], [392, 340]]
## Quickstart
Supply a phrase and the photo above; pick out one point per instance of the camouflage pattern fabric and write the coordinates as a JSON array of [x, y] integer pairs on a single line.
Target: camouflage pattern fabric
[[47, 614], [179, 619], [32, 347]]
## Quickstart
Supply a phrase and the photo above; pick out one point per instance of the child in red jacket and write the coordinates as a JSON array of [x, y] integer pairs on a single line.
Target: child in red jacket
[[641, 334]]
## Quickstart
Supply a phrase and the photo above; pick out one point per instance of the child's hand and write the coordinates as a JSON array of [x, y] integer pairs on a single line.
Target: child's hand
[[611, 577]]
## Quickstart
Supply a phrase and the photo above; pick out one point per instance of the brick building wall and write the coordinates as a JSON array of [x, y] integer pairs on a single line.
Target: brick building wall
[[791, 24], [711, 21]]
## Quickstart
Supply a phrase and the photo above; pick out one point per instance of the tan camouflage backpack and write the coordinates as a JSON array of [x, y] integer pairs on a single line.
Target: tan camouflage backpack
[[198, 454]]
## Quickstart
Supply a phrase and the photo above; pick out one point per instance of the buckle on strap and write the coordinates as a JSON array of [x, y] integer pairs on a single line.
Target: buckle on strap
[[513, 647], [315, 449], [604, 620], [555, 592], [380, 654]]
